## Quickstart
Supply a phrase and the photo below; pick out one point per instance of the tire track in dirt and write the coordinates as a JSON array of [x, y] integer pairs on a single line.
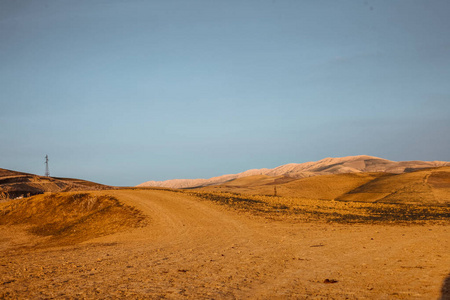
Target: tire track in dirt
[[216, 245], [182, 220]]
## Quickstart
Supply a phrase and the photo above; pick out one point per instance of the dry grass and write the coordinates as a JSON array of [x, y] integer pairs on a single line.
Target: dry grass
[[68, 218], [304, 209]]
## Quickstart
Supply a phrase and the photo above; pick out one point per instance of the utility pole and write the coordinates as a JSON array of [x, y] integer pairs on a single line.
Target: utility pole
[[47, 172]]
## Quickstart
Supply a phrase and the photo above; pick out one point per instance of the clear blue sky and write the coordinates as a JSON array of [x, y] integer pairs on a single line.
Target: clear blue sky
[[121, 91]]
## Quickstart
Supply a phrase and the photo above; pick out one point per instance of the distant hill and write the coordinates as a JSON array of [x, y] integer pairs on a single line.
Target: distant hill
[[327, 166], [17, 184], [429, 186]]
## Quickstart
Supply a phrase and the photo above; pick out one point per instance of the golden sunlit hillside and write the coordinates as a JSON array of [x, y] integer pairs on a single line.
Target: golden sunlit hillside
[[428, 186], [68, 218], [326, 166]]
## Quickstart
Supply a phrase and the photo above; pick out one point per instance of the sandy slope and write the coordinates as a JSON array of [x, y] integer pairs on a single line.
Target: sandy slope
[[199, 250]]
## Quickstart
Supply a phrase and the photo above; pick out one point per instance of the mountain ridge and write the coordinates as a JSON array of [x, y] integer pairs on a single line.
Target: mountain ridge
[[329, 165]]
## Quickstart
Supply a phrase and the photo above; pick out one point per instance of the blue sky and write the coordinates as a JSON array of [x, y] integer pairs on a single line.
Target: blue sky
[[122, 92]]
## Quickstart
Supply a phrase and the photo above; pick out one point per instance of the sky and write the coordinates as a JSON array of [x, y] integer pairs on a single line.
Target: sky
[[125, 91]]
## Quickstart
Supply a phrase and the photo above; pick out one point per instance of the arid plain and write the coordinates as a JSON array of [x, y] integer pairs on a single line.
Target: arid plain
[[325, 237]]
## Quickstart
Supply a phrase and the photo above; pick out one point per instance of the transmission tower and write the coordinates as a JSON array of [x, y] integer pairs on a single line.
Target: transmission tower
[[47, 172]]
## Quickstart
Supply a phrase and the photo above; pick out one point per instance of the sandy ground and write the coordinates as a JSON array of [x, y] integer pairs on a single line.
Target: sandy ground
[[196, 249]]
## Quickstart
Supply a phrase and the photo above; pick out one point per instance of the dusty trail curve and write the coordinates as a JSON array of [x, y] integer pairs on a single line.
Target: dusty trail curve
[[196, 249]]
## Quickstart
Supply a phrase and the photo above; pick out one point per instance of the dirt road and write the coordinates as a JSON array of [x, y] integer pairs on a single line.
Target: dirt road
[[196, 249]]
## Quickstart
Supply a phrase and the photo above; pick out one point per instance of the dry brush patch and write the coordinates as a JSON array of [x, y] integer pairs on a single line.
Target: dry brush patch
[[69, 218], [328, 210]]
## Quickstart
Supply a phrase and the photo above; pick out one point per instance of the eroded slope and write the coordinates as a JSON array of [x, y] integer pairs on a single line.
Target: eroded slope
[[69, 218]]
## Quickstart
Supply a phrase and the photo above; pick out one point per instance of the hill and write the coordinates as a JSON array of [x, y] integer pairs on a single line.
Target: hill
[[17, 184], [327, 166], [69, 218], [427, 186], [324, 187]]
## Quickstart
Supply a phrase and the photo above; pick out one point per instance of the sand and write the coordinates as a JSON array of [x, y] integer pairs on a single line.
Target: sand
[[196, 249]]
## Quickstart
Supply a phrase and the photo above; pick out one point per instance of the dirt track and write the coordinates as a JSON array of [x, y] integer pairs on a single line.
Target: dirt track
[[197, 249]]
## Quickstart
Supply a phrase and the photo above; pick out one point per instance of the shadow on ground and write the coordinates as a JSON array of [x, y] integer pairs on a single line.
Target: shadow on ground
[[445, 292]]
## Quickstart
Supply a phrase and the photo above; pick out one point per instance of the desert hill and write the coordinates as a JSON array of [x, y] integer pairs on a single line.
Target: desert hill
[[17, 184], [323, 187], [429, 186], [425, 186], [71, 217], [327, 166]]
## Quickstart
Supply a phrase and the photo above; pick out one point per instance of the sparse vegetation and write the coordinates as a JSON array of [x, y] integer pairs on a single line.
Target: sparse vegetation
[[326, 210]]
